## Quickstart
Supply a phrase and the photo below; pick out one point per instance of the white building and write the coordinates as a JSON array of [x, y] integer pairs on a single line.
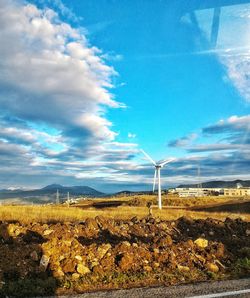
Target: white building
[[198, 192], [237, 192]]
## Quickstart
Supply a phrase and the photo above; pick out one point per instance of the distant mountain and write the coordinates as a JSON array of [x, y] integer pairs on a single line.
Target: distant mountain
[[52, 187], [218, 184], [49, 191]]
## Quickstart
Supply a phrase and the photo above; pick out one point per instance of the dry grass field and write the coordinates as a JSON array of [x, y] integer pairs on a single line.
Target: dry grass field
[[61, 250], [131, 206]]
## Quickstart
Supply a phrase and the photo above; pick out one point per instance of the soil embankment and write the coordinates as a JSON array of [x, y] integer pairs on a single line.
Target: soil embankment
[[59, 258], [233, 207]]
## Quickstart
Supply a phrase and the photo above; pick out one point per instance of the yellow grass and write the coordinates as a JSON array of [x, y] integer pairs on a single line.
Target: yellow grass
[[169, 200], [26, 214]]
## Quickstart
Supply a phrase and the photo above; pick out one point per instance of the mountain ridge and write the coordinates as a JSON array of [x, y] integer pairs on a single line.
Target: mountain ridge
[[218, 184], [50, 190]]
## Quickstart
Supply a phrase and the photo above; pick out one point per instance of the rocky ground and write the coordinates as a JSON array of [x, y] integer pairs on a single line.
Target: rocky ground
[[44, 259]]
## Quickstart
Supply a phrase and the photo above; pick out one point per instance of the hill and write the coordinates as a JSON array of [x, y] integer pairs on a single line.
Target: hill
[[219, 184], [48, 193]]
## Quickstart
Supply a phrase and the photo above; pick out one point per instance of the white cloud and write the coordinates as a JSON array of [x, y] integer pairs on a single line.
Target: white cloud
[[55, 91], [48, 70], [238, 68]]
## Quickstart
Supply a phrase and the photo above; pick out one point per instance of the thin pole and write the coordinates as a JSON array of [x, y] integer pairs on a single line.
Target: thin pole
[[159, 188]]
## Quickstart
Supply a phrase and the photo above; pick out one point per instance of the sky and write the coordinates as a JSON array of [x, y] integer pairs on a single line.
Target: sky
[[84, 85]]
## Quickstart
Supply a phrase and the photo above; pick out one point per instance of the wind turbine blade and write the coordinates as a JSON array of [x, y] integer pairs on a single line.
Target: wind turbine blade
[[148, 157], [166, 161], [154, 181]]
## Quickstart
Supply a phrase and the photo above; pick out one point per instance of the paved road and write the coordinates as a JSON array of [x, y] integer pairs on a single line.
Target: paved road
[[232, 288]]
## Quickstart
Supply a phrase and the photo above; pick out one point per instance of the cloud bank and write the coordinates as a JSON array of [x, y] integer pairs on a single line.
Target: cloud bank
[[55, 89]]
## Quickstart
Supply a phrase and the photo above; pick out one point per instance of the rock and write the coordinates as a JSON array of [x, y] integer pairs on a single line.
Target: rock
[[34, 255], [44, 262], [68, 266], [17, 232], [94, 263], [220, 252], [183, 268], [58, 273], [101, 221], [67, 242], [82, 269], [11, 229], [190, 243], [147, 268], [212, 267], [124, 247], [108, 262], [4, 232], [102, 250], [48, 232], [91, 224], [165, 241], [201, 242], [78, 258], [201, 259], [75, 276], [126, 262], [156, 265], [156, 250]]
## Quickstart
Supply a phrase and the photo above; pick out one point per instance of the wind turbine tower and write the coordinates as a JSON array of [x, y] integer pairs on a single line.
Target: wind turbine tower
[[157, 174]]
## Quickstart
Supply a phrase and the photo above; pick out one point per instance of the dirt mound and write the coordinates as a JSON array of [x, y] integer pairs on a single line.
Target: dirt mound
[[100, 253], [234, 207]]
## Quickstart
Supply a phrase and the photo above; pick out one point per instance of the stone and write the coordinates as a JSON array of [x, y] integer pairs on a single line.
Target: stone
[[102, 250], [67, 242], [17, 232], [91, 224], [78, 258], [11, 229], [126, 262], [94, 263], [68, 266], [212, 267], [147, 268], [82, 269], [183, 268], [34, 255], [156, 265], [156, 250], [165, 241], [58, 273], [201, 242], [201, 258], [44, 262], [48, 232], [4, 232], [75, 276], [220, 252]]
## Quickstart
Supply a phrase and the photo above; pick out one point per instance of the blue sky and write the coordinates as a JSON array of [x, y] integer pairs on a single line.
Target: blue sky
[[85, 84]]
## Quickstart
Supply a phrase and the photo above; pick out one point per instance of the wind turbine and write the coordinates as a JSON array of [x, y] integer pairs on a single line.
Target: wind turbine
[[157, 174]]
